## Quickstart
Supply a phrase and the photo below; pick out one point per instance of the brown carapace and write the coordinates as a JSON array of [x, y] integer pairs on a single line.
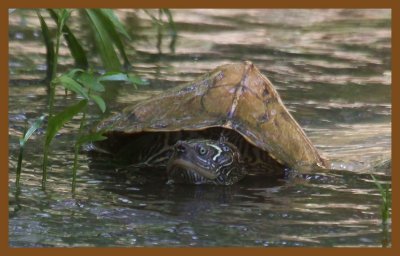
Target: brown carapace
[[231, 99]]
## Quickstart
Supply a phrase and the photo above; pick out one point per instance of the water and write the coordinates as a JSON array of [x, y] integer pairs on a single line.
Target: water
[[332, 69]]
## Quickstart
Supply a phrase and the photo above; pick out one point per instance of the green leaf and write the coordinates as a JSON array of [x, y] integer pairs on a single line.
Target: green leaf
[[137, 80], [114, 76], [71, 84], [22, 141], [115, 21], [62, 16], [38, 123], [99, 101], [74, 72], [92, 137], [49, 46], [381, 190], [90, 81], [122, 77], [173, 29], [103, 41], [153, 18], [169, 16], [74, 46], [109, 25], [58, 121]]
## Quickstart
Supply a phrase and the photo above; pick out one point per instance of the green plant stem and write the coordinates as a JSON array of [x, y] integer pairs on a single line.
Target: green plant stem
[[20, 157], [19, 166], [60, 25], [76, 150], [385, 205], [54, 73], [386, 200], [75, 168], [51, 100], [44, 167], [159, 31]]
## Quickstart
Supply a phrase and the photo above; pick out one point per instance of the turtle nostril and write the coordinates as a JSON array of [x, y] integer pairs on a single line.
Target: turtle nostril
[[180, 147]]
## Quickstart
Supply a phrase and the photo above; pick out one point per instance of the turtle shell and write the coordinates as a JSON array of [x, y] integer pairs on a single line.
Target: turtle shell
[[232, 96]]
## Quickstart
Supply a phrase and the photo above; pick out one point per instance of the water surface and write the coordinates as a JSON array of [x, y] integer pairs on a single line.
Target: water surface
[[332, 69]]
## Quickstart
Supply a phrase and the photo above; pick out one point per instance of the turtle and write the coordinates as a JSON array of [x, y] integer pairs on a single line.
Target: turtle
[[226, 124]]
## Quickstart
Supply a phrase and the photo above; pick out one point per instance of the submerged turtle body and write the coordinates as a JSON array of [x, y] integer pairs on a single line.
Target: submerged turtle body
[[234, 101]]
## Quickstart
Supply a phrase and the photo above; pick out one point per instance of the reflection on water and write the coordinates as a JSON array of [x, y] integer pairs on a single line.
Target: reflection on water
[[332, 69]]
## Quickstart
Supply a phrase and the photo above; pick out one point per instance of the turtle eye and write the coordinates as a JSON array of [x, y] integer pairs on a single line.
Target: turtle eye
[[202, 150], [225, 148]]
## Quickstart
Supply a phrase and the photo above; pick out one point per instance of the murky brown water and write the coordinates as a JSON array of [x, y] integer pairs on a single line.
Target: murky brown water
[[332, 69]]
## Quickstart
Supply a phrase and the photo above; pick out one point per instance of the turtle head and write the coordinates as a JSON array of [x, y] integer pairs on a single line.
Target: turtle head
[[200, 161]]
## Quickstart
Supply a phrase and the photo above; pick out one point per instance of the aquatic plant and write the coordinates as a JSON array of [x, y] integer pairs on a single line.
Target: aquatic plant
[[108, 34], [86, 85], [159, 24], [107, 31], [22, 141], [52, 58], [386, 197]]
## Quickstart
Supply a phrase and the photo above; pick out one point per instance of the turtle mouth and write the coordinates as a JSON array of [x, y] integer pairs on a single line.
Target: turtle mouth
[[182, 164]]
